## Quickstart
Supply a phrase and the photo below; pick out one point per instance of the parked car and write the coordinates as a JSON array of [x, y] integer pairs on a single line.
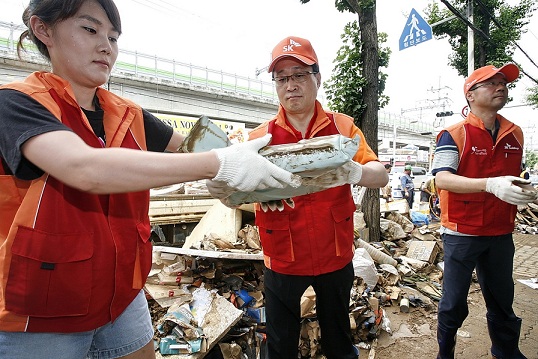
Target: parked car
[[418, 174]]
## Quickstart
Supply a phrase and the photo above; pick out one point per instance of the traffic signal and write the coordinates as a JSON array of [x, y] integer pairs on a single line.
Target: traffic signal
[[444, 114]]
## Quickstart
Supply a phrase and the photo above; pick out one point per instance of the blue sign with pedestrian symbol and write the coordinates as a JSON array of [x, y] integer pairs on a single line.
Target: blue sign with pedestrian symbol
[[415, 32]]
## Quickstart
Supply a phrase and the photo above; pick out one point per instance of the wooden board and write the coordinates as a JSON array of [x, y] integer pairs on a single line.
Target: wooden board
[[209, 254]]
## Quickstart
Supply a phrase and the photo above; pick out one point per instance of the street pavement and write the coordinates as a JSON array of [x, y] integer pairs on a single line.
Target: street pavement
[[525, 306], [526, 298], [414, 333]]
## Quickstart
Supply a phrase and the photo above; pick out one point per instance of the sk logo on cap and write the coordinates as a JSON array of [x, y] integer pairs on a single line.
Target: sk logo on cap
[[293, 46], [289, 47]]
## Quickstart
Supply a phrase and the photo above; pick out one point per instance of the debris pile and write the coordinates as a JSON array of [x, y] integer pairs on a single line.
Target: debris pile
[[208, 295], [213, 301], [527, 219]]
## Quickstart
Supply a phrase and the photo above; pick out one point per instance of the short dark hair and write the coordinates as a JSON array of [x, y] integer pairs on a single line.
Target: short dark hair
[[387, 166], [53, 11]]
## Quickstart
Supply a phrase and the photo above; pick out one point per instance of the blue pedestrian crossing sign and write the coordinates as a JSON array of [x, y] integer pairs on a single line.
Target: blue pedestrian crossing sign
[[415, 32]]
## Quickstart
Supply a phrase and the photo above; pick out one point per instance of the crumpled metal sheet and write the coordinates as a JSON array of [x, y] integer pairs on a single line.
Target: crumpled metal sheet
[[306, 158]]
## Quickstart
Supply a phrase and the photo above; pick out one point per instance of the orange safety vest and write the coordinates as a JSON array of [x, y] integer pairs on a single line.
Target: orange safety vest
[[316, 236], [72, 261], [482, 214]]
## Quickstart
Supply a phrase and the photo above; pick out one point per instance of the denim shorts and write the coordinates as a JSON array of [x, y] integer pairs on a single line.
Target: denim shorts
[[131, 331]]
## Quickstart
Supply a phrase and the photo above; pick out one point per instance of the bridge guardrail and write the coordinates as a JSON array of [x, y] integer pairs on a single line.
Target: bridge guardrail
[[142, 65], [139, 64]]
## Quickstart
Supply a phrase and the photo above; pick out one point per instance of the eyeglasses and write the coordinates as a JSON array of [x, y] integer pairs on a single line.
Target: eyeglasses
[[490, 84], [298, 78]]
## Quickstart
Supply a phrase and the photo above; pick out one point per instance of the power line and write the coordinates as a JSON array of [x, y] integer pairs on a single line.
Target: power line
[[486, 37], [532, 33], [486, 10], [466, 21]]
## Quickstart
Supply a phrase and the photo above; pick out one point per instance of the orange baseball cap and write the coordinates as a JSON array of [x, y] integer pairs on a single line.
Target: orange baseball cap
[[293, 46], [510, 72]]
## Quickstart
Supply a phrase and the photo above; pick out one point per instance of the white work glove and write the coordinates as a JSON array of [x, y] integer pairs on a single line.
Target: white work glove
[[349, 173], [505, 188], [243, 169], [277, 204], [219, 189]]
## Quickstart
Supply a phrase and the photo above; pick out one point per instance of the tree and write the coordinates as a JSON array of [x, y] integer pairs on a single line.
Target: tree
[[346, 85], [531, 159], [532, 97], [498, 27], [358, 96]]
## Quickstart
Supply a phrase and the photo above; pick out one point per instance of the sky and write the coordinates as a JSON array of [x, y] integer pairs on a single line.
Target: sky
[[237, 36]]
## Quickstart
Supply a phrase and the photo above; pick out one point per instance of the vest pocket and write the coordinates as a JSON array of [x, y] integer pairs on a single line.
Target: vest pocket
[[50, 274], [343, 227], [143, 255], [466, 209], [275, 235]]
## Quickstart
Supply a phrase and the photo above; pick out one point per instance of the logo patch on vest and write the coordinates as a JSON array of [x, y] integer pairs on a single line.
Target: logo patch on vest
[[508, 146], [479, 152]]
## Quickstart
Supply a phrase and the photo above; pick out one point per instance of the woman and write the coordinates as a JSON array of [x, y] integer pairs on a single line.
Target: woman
[[76, 165]]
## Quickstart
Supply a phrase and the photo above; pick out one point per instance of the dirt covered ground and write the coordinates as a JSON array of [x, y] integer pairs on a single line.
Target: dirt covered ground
[[414, 333]]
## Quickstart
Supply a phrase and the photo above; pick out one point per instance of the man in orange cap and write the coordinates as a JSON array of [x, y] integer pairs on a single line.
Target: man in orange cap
[[476, 166], [310, 244]]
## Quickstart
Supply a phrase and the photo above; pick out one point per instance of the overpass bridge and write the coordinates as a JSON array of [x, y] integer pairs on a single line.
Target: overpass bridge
[[180, 93]]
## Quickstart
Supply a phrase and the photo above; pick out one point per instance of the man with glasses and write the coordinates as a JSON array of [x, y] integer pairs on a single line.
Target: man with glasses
[[310, 244], [476, 166]]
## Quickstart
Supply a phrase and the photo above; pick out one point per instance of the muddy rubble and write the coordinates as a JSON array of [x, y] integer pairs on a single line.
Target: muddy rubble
[[206, 298]]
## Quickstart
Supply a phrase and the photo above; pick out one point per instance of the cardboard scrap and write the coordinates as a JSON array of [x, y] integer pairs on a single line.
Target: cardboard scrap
[[391, 229], [231, 350], [308, 303], [406, 224], [309, 339], [166, 295], [423, 234], [423, 250], [221, 221]]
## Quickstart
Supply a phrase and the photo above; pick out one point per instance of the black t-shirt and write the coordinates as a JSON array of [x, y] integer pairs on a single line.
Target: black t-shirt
[[22, 117]]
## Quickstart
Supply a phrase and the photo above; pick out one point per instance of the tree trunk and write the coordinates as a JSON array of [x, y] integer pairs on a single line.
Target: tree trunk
[[368, 123]]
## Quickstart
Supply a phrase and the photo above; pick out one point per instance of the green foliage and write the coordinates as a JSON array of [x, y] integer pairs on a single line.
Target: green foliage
[[353, 5], [531, 158], [499, 46], [344, 88], [532, 97]]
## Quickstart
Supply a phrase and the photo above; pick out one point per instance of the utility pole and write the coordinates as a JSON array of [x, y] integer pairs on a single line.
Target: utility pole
[[470, 39], [439, 102]]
